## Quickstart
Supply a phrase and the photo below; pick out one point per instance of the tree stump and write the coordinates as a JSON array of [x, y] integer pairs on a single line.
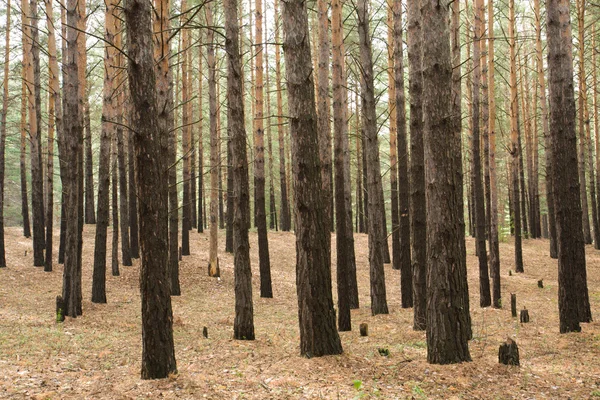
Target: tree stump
[[524, 316], [508, 354], [513, 304], [205, 332], [541, 283], [364, 329], [60, 309]]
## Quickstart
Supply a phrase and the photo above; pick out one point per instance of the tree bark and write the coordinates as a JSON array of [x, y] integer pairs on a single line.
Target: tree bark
[[318, 334], [448, 320], [343, 227], [151, 151], [377, 241], [3, 134], [484, 281], [108, 131], [213, 263], [243, 328], [186, 146], [285, 219], [32, 67], [417, 212], [582, 98], [573, 300], [259, 161], [71, 144], [514, 135], [494, 243]]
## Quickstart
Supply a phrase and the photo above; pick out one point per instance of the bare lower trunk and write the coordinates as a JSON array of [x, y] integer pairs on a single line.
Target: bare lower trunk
[[151, 151], [377, 241], [448, 320]]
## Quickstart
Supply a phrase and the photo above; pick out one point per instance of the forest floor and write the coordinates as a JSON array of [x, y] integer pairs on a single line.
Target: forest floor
[[98, 355]]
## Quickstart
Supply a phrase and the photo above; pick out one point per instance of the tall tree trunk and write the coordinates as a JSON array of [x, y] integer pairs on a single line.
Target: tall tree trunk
[[343, 226], [324, 107], [108, 131], [318, 335], [90, 212], [406, 279], [23, 144], [547, 142], [596, 121], [417, 213], [377, 241], [587, 236], [151, 150], [448, 320], [186, 146], [243, 328], [213, 263], [193, 119], [484, 281], [201, 214], [360, 228], [134, 247], [514, 135], [115, 206], [573, 300], [272, 201], [494, 244], [3, 133], [259, 161], [35, 141], [285, 219], [123, 206], [71, 144], [393, 134]]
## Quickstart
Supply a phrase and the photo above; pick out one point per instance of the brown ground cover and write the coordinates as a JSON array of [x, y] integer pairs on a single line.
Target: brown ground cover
[[97, 356]]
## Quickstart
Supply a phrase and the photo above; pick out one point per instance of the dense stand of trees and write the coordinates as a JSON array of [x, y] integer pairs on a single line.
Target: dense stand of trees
[[331, 116]]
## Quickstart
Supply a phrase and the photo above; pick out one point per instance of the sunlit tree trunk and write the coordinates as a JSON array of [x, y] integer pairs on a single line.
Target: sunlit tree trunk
[[3, 133]]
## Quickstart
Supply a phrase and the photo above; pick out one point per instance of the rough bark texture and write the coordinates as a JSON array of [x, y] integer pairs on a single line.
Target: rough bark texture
[[484, 281], [71, 144], [90, 212], [448, 320], [582, 99], [343, 226], [243, 326], [201, 216], [32, 66], [494, 243], [514, 135], [151, 149], [186, 145], [418, 218], [134, 246], [318, 334], [259, 163], [108, 130], [406, 278], [573, 301], [285, 219], [213, 262], [123, 206], [377, 241], [323, 108], [23, 146]]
